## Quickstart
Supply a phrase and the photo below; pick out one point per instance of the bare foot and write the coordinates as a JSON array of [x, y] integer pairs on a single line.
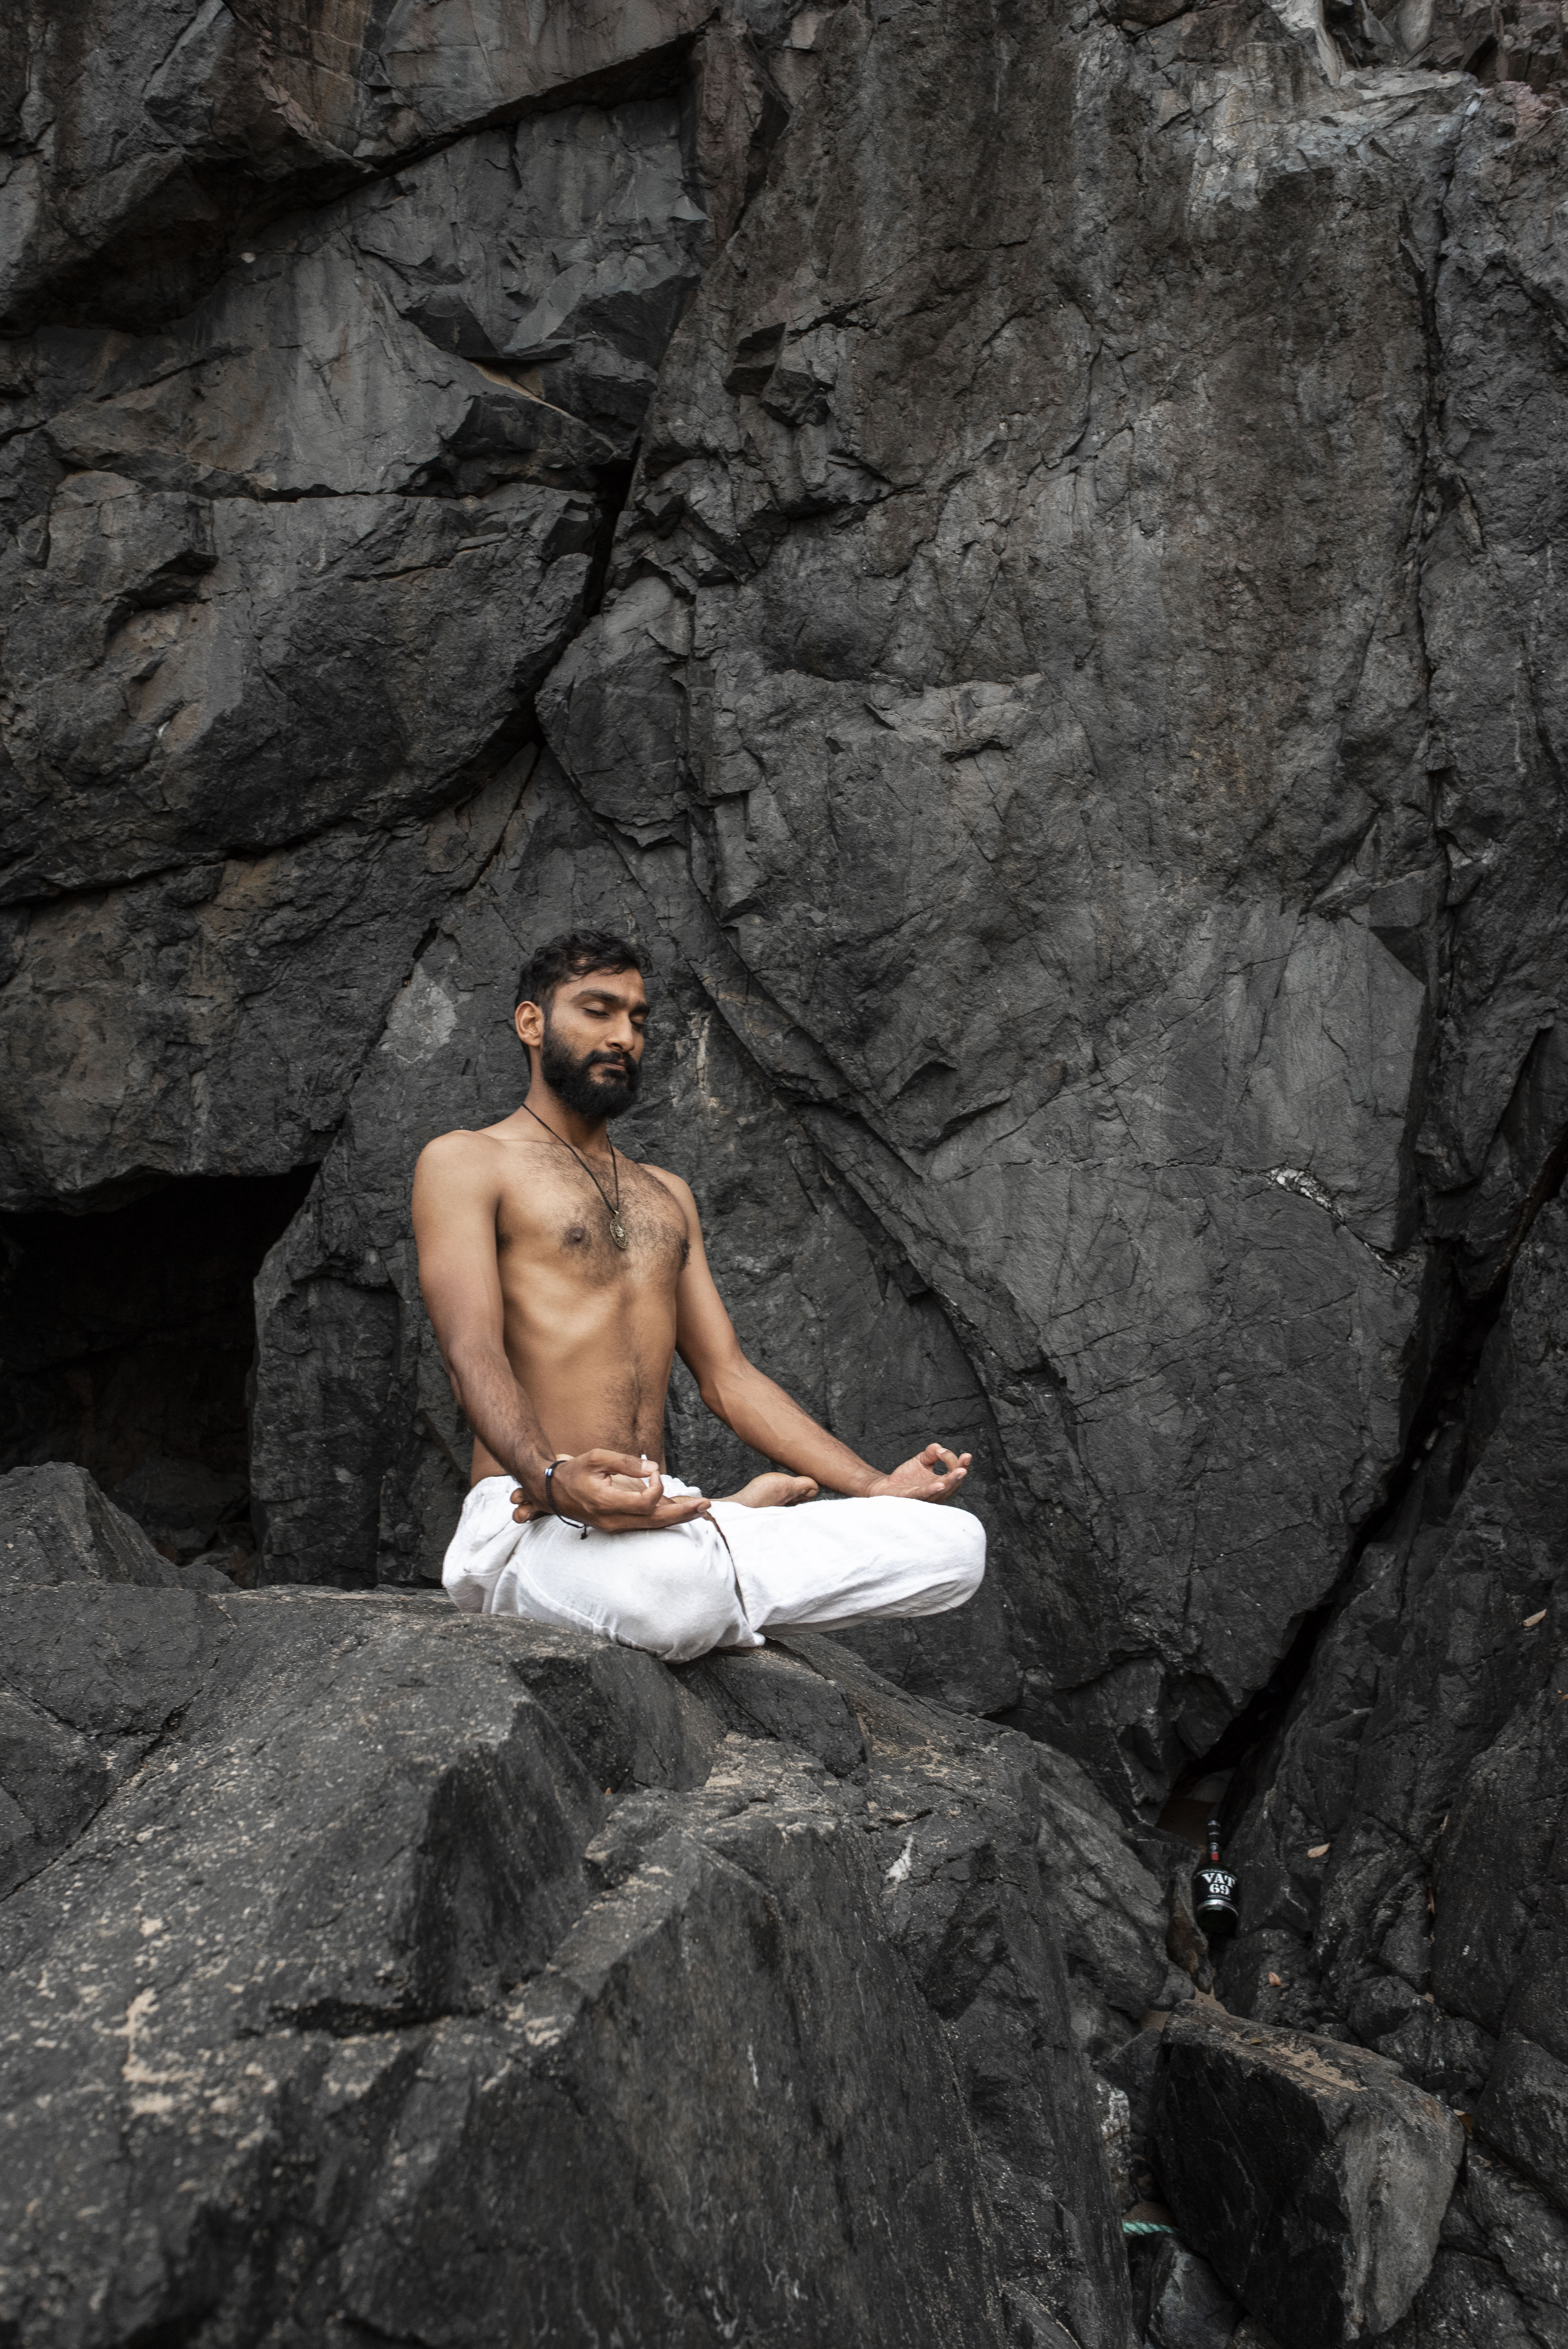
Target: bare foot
[[774, 1491]]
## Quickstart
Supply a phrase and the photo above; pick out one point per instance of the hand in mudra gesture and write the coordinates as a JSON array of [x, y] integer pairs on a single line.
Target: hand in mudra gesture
[[613, 1491], [934, 1474]]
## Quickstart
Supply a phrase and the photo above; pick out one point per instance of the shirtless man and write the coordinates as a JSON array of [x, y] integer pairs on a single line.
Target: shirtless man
[[562, 1278]]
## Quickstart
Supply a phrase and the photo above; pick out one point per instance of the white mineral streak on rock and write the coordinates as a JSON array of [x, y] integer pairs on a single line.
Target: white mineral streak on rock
[[421, 1021]]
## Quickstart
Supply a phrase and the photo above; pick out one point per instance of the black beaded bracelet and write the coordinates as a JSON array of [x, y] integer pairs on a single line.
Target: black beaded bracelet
[[551, 1504]]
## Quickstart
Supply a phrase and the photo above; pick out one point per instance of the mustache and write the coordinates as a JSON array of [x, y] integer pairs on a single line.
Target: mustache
[[622, 1061]]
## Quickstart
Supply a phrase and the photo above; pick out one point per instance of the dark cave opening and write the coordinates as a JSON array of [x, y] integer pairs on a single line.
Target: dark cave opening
[[126, 1343]]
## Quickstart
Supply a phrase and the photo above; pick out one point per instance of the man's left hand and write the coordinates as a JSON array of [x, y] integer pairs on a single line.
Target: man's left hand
[[934, 1475]]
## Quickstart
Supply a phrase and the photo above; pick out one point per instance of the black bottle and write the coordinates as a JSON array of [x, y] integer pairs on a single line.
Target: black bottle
[[1215, 1893]]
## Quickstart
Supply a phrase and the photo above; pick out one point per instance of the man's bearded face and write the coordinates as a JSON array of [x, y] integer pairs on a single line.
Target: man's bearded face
[[600, 1083]]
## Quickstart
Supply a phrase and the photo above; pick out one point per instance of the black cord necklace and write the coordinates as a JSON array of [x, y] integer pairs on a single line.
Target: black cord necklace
[[617, 1228]]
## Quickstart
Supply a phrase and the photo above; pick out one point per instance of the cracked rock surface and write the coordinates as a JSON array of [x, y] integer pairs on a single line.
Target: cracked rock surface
[[1040, 697], [403, 1976], [1015, 547], [1313, 2176]]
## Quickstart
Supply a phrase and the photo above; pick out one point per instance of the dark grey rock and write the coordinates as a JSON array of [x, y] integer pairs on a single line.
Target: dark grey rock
[[806, 661], [1171, 1199], [89, 1675], [250, 542], [1115, 2116], [1033, 540], [1523, 2110], [1132, 2071], [1110, 1911], [462, 1968], [1312, 2176], [149, 133], [57, 1527], [1426, 1752], [311, 941], [163, 716], [768, 1693], [89, 1679], [1188, 2307], [1500, 2276], [113, 1662], [957, 1814]]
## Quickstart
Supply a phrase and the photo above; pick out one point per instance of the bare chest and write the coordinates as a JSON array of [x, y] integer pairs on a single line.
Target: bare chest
[[563, 1223]]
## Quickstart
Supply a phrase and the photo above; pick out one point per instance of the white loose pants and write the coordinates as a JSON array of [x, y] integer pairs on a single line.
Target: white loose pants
[[679, 1591]]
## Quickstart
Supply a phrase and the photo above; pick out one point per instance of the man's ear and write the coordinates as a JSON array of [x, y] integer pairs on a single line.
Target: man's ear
[[529, 1021]]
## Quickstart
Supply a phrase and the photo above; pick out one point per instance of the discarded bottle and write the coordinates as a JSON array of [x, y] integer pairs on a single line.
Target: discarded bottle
[[1214, 1892]]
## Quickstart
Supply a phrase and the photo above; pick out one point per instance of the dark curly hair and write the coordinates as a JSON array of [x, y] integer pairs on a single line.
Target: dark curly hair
[[568, 957]]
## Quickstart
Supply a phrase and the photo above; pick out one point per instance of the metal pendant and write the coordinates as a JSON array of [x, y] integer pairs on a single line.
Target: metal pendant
[[618, 1232]]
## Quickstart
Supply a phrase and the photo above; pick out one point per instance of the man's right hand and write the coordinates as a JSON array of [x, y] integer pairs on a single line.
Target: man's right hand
[[613, 1493]]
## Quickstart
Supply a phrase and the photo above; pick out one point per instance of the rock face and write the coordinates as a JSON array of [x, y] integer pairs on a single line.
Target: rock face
[[1502, 2269], [1313, 2178], [1406, 1854], [1017, 550], [398, 1973], [1059, 779]]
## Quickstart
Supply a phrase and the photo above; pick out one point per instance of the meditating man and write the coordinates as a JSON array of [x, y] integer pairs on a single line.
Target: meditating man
[[562, 1278]]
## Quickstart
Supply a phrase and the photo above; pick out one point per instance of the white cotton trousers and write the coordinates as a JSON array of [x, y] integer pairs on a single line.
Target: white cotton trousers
[[679, 1591]]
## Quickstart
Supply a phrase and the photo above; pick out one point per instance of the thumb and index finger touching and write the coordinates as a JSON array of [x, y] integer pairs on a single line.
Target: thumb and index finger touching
[[616, 1492]]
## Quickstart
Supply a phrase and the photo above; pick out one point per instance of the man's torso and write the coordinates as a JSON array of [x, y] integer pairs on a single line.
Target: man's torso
[[588, 1327]]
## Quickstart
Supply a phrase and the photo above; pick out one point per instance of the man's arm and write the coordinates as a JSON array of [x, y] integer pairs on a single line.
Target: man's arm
[[457, 1189], [761, 1414]]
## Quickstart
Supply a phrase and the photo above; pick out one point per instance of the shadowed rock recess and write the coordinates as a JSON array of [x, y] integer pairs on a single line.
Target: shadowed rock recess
[[1015, 547]]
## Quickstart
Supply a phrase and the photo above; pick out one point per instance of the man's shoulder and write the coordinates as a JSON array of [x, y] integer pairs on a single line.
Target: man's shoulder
[[461, 1142], [464, 1153], [681, 1189]]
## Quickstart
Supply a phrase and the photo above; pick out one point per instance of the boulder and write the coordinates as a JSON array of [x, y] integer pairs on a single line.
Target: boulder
[[956, 1810], [56, 1525], [1501, 2277], [1310, 2174], [1188, 2307], [429, 1977], [99, 1647]]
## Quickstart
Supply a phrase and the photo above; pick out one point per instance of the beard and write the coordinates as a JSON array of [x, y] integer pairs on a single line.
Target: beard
[[600, 1084]]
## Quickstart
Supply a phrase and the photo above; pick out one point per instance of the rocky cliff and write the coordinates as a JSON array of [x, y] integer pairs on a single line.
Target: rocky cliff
[[1015, 547], [378, 1974]]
